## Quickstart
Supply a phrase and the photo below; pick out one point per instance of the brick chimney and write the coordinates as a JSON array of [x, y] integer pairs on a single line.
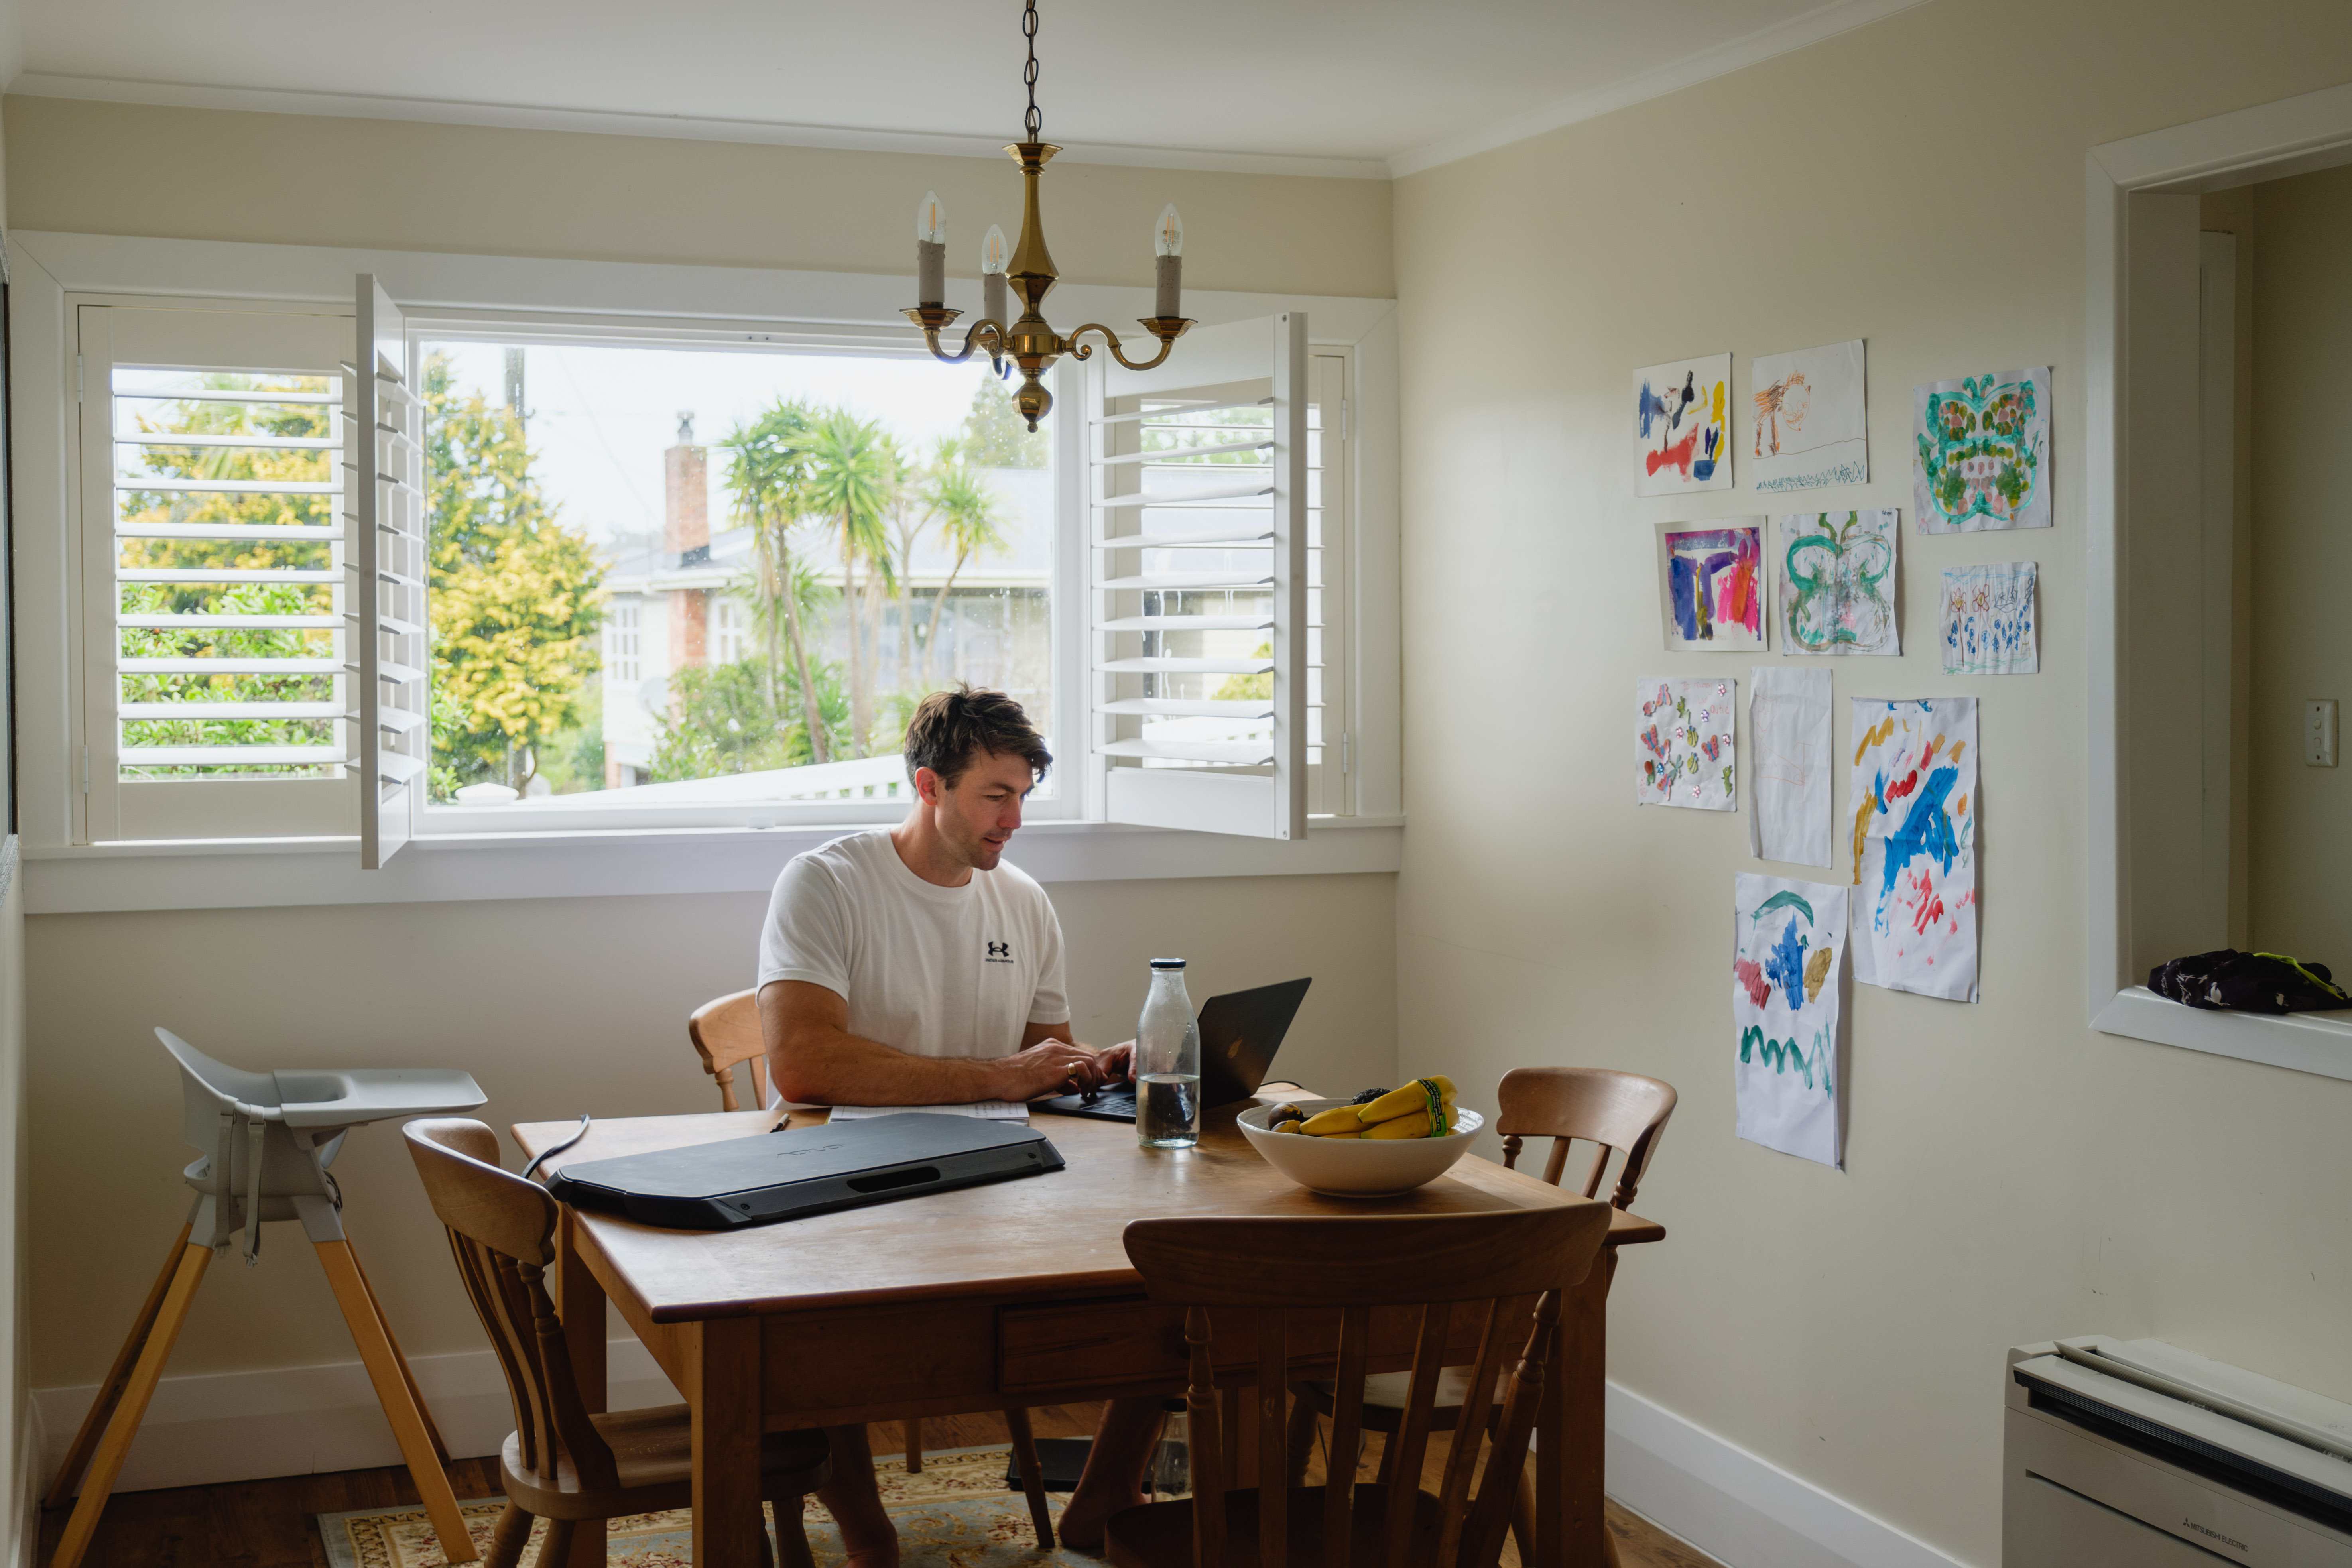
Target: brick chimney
[[685, 541]]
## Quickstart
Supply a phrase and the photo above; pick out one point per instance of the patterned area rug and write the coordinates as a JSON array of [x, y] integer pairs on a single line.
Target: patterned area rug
[[956, 1514]]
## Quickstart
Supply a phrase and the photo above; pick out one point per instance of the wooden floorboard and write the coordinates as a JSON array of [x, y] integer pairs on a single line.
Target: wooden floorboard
[[273, 1523]]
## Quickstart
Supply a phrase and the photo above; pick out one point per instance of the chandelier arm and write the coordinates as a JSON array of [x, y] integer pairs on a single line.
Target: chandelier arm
[[1111, 341], [986, 332]]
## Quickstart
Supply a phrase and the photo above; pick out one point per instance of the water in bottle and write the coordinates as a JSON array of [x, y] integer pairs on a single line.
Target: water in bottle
[[1167, 1063]]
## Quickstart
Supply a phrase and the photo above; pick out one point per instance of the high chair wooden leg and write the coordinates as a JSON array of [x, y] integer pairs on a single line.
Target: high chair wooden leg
[[407, 1374], [392, 1391], [118, 1376], [107, 1462], [913, 1458], [1033, 1473]]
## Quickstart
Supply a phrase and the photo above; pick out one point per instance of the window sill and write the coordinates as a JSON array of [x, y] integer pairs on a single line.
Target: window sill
[[2317, 1043], [265, 873]]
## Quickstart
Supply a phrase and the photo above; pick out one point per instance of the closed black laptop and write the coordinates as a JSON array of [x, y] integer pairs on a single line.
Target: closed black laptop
[[814, 1170], [1240, 1031]]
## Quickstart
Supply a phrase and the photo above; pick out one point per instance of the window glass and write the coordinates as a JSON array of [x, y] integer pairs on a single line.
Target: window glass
[[676, 576]]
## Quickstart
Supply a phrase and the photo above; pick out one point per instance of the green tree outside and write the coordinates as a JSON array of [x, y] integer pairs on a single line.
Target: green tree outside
[[996, 436], [517, 596]]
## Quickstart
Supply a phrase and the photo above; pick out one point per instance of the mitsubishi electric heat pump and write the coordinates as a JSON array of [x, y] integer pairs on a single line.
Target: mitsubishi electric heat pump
[[2131, 1454]]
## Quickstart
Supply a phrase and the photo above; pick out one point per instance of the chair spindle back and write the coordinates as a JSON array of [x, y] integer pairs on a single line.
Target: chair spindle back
[[726, 1031], [1499, 1271], [501, 1229], [1615, 1111]]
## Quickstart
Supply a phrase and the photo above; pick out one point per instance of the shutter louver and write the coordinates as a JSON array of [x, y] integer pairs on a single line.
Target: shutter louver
[[393, 739], [1199, 532]]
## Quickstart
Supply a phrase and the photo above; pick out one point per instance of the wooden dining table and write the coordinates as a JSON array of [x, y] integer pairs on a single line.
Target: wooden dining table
[[1014, 1293]]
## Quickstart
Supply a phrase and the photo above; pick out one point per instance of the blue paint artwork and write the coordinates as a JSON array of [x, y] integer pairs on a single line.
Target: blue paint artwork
[[1784, 965], [1926, 831]]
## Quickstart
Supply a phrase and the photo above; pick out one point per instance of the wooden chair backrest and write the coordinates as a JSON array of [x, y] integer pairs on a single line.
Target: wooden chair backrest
[[725, 1031], [1505, 1267], [502, 1228], [1620, 1111]]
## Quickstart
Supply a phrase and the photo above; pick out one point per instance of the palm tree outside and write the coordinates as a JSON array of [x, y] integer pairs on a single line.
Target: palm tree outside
[[854, 469]]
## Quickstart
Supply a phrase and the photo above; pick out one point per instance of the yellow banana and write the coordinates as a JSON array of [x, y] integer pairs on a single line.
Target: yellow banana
[[1337, 1119], [1413, 1126], [1404, 1102], [1290, 1127]]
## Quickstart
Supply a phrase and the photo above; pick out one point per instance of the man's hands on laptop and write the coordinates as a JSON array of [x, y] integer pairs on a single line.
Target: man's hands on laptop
[[1057, 1067]]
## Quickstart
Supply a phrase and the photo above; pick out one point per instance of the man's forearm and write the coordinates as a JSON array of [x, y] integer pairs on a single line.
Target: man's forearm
[[836, 1067]]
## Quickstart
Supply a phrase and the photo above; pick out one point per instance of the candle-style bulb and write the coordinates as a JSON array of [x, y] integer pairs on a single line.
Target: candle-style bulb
[[932, 219], [996, 304], [1168, 239], [1169, 236]]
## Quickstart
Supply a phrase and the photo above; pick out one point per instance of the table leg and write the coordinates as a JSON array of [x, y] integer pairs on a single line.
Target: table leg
[[729, 1532], [1570, 1453], [580, 1302]]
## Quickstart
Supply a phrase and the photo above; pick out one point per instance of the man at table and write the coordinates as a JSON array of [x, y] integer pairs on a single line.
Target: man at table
[[909, 966]]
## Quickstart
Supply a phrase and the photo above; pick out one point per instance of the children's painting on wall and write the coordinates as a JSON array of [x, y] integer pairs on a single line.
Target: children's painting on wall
[[1980, 455], [1988, 620], [1914, 804], [1810, 430], [1837, 583], [1788, 939], [1681, 439], [1681, 742], [1712, 584]]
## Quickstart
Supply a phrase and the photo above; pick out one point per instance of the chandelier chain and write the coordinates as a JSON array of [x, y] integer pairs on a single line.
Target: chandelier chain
[[1032, 124]]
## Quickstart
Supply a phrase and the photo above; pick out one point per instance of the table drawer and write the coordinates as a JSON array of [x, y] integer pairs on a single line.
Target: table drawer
[[1133, 1341]]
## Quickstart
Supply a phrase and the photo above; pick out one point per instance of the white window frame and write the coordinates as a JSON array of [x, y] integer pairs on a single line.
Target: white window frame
[[589, 851], [2142, 430]]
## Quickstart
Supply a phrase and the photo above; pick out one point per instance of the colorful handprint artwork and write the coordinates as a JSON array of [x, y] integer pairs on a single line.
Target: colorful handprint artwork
[[1980, 454], [1837, 583], [1681, 742]]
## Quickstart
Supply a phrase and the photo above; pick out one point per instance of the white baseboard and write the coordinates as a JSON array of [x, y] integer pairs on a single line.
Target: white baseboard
[[292, 1421], [1736, 1508], [246, 1426]]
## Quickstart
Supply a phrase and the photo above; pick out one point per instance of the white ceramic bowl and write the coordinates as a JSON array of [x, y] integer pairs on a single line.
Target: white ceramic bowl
[[1357, 1167]]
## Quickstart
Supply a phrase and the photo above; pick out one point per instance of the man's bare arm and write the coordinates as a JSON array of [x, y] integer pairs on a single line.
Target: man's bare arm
[[812, 1057]]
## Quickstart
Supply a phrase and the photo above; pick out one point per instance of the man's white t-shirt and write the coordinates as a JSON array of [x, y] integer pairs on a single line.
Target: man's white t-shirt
[[931, 970]]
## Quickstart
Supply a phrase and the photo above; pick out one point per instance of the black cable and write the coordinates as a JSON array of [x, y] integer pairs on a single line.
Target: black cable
[[545, 1154]]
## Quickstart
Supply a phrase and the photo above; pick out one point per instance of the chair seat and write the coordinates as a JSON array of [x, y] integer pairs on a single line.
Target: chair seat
[[1160, 1535], [653, 1454], [1385, 1393]]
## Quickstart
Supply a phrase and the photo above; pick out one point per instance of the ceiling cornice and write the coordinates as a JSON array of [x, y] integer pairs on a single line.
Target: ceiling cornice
[[606, 122], [1722, 60]]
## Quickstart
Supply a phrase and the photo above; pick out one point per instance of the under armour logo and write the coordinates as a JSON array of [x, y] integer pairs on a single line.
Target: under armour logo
[[1000, 950]]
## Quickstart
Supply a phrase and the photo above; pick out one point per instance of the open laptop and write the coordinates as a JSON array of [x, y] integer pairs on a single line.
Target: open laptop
[[1240, 1031]]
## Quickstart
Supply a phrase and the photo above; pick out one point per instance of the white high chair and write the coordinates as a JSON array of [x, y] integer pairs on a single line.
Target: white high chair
[[266, 1141]]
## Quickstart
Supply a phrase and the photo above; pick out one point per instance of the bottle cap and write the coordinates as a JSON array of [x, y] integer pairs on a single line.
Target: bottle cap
[[1167, 963]]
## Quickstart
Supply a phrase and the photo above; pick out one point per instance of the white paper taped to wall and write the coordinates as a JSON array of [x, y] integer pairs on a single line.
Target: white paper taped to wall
[[1789, 737]]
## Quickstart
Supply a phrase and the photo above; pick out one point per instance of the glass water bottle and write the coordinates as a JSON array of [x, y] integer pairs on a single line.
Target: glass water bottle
[[1167, 1063], [1171, 1469]]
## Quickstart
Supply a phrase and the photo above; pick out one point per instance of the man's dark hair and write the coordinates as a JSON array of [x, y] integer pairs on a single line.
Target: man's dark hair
[[951, 728]]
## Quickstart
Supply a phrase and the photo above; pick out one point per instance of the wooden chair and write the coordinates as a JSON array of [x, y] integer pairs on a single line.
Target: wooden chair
[[563, 1463], [726, 1034], [1504, 1269], [1619, 1113]]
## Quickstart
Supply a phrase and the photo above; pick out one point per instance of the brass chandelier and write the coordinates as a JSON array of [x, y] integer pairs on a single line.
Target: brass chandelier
[[1030, 343]]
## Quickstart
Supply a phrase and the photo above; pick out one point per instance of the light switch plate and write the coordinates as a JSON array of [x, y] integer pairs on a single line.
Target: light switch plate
[[2319, 732]]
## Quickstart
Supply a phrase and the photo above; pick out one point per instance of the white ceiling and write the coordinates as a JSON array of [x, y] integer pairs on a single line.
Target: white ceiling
[[1368, 87]]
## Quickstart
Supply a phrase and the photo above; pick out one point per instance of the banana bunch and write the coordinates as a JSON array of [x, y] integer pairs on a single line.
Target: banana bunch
[[1422, 1108]]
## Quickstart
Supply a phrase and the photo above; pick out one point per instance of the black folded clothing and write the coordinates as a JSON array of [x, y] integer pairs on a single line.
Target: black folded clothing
[[2238, 982]]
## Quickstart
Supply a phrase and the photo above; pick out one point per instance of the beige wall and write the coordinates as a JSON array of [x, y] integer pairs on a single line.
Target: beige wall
[[189, 173], [556, 1008], [2010, 1175], [2300, 818]]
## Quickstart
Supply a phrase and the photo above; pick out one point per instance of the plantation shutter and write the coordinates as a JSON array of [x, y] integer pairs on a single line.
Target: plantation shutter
[[1198, 502], [213, 654], [387, 564]]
